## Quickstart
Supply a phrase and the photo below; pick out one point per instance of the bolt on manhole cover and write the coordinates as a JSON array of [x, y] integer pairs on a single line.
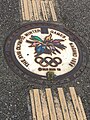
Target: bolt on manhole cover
[[45, 51]]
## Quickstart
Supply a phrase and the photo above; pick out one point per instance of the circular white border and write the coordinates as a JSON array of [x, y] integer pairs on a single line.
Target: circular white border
[[66, 54]]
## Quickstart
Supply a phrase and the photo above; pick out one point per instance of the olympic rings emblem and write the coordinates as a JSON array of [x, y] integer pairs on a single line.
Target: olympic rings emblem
[[44, 62]]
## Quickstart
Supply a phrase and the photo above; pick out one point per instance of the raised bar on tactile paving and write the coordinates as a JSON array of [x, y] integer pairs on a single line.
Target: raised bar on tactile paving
[[63, 104], [52, 11], [76, 103], [44, 12], [82, 108], [36, 16], [58, 109], [32, 104], [51, 104], [38, 4], [71, 110], [48, 9], [38, 104], [30, 10], [26, 10], [22, 10], [44, 106]]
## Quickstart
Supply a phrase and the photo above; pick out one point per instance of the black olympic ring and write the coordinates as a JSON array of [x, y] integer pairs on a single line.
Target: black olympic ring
[[44, 62]]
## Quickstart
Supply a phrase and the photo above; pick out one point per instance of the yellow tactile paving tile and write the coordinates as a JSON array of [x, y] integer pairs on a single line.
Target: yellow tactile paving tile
[[46, 106], [26, 10], [39, 9], [51, 104], [82, 108], [58, 109], [48, 9], [34, 10], [71, 111], [54, 17], [63, 104], [76, 104], [38, 104], [33, 104], [22, 10], [31, 16], [44, 12], [70, 108]]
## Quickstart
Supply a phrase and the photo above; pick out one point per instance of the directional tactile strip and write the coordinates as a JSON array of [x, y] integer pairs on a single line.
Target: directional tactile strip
[[51, 104], [34, 10]]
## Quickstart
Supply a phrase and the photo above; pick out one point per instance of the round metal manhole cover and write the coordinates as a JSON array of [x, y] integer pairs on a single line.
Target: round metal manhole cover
[[45, 51]]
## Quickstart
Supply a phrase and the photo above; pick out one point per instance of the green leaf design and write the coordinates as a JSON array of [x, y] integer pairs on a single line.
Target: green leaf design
[[36, 38]]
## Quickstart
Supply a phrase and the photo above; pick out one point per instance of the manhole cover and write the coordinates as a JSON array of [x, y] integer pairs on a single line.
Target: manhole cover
[[45, 51]]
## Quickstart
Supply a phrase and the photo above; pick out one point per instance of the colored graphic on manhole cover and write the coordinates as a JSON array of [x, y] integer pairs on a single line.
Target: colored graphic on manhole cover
[[36, 50], [52, 51]]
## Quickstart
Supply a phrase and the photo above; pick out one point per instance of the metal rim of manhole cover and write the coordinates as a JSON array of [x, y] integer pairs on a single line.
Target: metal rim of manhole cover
[[48, 52]]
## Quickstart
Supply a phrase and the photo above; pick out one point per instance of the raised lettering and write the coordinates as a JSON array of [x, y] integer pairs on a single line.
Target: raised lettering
[[19, 54], [25, 62]]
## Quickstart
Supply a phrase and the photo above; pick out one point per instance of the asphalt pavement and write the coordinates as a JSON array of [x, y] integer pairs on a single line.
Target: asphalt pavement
[[73, 14]]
